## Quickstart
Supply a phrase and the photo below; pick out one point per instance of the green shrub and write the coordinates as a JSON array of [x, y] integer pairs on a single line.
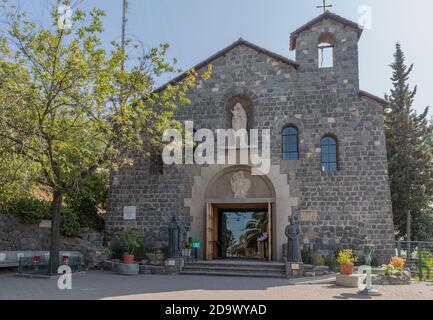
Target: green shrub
[[429, 268], [331, 262], [69, 224], [89, 201], [306, 256], [117, 251], [317, 260], [165, 250], [360, 262], [32, 211], [140, 252], [375, 262]]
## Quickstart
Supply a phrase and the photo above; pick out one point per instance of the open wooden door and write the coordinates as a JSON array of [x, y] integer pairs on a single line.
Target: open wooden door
[[209, 254], [270, 231]]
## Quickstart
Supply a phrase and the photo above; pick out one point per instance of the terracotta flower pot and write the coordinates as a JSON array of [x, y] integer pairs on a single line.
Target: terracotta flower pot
[[346, 268], [128, 258]]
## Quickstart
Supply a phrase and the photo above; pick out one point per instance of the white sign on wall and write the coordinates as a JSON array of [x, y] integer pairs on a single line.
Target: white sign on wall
[[45, 224], [129, 213]]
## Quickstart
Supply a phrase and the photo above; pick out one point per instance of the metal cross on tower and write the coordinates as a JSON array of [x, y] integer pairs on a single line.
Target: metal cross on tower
[[324, 6]]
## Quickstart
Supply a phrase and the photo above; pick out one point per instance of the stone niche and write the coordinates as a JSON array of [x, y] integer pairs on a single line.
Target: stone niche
[[247, 105]]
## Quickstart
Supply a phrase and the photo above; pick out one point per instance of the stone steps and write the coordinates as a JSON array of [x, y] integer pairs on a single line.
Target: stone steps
[[235, 274], [238, 269]]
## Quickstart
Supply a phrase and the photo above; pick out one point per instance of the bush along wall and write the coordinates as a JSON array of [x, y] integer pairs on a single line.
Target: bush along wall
[[33, 211]]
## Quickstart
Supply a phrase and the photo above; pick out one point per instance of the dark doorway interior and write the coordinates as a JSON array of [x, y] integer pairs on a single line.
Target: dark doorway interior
[[243, 234]]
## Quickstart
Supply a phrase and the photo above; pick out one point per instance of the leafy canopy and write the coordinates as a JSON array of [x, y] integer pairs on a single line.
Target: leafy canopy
[[68, 107]]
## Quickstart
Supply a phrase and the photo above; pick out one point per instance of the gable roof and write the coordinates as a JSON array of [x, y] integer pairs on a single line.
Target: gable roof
[[326, 15], [379, 100], [225, 51]]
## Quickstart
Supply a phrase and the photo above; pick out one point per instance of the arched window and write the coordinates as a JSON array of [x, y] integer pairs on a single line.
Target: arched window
[[326, 50], [329, 149], [290, 143]]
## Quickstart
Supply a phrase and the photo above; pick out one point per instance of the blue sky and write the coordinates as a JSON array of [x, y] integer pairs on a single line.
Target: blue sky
[[197, 29]]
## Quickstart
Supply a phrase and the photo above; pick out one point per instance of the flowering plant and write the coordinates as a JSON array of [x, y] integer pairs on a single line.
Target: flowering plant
[[346, 256], [397, 263], [389, 268]]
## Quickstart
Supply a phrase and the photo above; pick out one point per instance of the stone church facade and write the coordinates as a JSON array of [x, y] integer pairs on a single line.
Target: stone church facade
[[328, 152]]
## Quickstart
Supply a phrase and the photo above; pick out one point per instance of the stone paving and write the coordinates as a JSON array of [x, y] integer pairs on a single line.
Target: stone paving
[[107, 285]]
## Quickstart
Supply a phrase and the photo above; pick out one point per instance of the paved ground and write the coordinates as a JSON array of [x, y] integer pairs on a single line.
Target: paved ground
[[107, 285]]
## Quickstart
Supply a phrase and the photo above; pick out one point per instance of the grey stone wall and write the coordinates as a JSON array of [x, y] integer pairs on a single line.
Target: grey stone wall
[[15, 235], [336, 209]]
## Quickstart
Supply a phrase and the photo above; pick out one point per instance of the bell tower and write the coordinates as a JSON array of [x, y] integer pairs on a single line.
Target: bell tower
[[327, 47]]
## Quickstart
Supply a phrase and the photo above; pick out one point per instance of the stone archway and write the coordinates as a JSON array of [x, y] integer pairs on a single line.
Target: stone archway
[[272, 188]]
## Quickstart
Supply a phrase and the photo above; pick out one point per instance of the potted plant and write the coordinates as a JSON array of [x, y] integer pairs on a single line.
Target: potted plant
[[130, 239], [347, 260], [186, 249]]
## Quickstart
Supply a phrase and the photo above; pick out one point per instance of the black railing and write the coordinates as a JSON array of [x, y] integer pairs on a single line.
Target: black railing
[[418, 256], [40, 265]]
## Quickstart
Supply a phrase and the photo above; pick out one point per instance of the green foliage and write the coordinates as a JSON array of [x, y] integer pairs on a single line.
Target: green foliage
[[317, 259], [306, 256], [130, 240], [425, 265], [69, 224], [68, 107], [389, 269], [33, 211], [88, 202], [16, 179], [141, 253], [409, 155], [331, 262], [360, 261], [375, 262], [422, 225], [30, 210], [117, 251], [164, 249], [428, 262]]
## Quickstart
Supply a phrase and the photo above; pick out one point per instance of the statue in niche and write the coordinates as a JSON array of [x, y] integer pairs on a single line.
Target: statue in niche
[[240, 185], [293, 232], [175, 237], [239, 119]]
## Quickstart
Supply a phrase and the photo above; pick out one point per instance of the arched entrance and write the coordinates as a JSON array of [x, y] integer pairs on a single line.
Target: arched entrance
[[238, 216], [212, 194]]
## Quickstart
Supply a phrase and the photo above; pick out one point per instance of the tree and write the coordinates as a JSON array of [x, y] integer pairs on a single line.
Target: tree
[[257, 225], [68, 108], [422, 226], [409, 156]]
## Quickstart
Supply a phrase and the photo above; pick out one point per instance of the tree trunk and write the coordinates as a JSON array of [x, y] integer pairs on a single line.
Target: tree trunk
[[56, 207], [409, 234]]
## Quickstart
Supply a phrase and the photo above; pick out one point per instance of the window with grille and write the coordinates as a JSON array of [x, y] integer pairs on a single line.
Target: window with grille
[[290, 143], [329, 154]]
